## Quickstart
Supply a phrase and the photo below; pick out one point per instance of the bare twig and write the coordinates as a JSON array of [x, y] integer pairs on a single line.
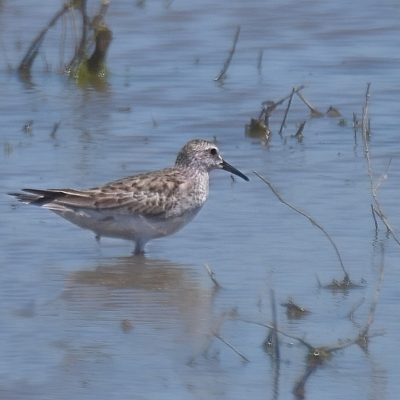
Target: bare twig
[[85, 21], [313, 110], [313, 222], [374, 187], [286, 112], [270, 106], [222, 74], [26, 63]]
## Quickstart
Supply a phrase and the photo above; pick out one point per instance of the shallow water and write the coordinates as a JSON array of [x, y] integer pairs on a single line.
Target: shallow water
[[82, 319]]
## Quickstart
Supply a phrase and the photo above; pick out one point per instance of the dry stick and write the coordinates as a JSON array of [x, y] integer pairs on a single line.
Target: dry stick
[[374, 188], [286, 112], [101, 13], [313, 222], [85, 20], [268, 108], [26, 63], [313, 110], [222, 74]]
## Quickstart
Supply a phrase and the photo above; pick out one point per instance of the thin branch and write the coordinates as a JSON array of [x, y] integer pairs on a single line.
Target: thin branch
[[286, 112], [374, 187], [313, 110], [222, 74], [313, 222], [26, 63], [270, 106]]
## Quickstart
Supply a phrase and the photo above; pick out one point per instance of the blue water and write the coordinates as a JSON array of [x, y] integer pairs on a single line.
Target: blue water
[[66, 300]]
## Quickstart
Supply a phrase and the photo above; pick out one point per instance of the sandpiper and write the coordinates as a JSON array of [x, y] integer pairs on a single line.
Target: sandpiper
[[140, 207]]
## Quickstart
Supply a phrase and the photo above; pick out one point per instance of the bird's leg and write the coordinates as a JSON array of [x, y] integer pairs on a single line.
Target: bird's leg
[[139, 247]]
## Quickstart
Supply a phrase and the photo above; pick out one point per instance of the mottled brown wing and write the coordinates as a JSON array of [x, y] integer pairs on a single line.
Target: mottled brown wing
[[150, 194]]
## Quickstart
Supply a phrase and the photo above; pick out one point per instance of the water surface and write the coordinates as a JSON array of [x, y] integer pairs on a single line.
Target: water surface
[[86, 320]]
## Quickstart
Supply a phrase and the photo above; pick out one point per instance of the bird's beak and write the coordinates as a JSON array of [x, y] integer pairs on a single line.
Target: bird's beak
[[233, 170]]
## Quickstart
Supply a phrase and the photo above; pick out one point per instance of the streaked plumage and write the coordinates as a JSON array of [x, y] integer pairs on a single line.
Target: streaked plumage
[[140, 207]]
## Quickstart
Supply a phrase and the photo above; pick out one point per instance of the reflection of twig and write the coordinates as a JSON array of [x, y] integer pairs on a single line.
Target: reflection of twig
[[374, 218], [215, 333], [313, 222], [364, 332], [275, 323], [286, 112], [211, 274], [270, 326], [350, 314], [243, 357], [222, 74]]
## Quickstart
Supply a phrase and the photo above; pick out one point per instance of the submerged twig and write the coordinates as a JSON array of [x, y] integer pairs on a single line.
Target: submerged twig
[[233, 348], [225, 67], [313, 222]]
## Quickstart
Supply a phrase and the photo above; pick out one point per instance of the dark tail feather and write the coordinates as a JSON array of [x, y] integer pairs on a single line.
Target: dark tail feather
[[37, 197]]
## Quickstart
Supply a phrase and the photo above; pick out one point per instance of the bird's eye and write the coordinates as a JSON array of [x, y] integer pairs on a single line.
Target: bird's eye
[[213, 152]]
